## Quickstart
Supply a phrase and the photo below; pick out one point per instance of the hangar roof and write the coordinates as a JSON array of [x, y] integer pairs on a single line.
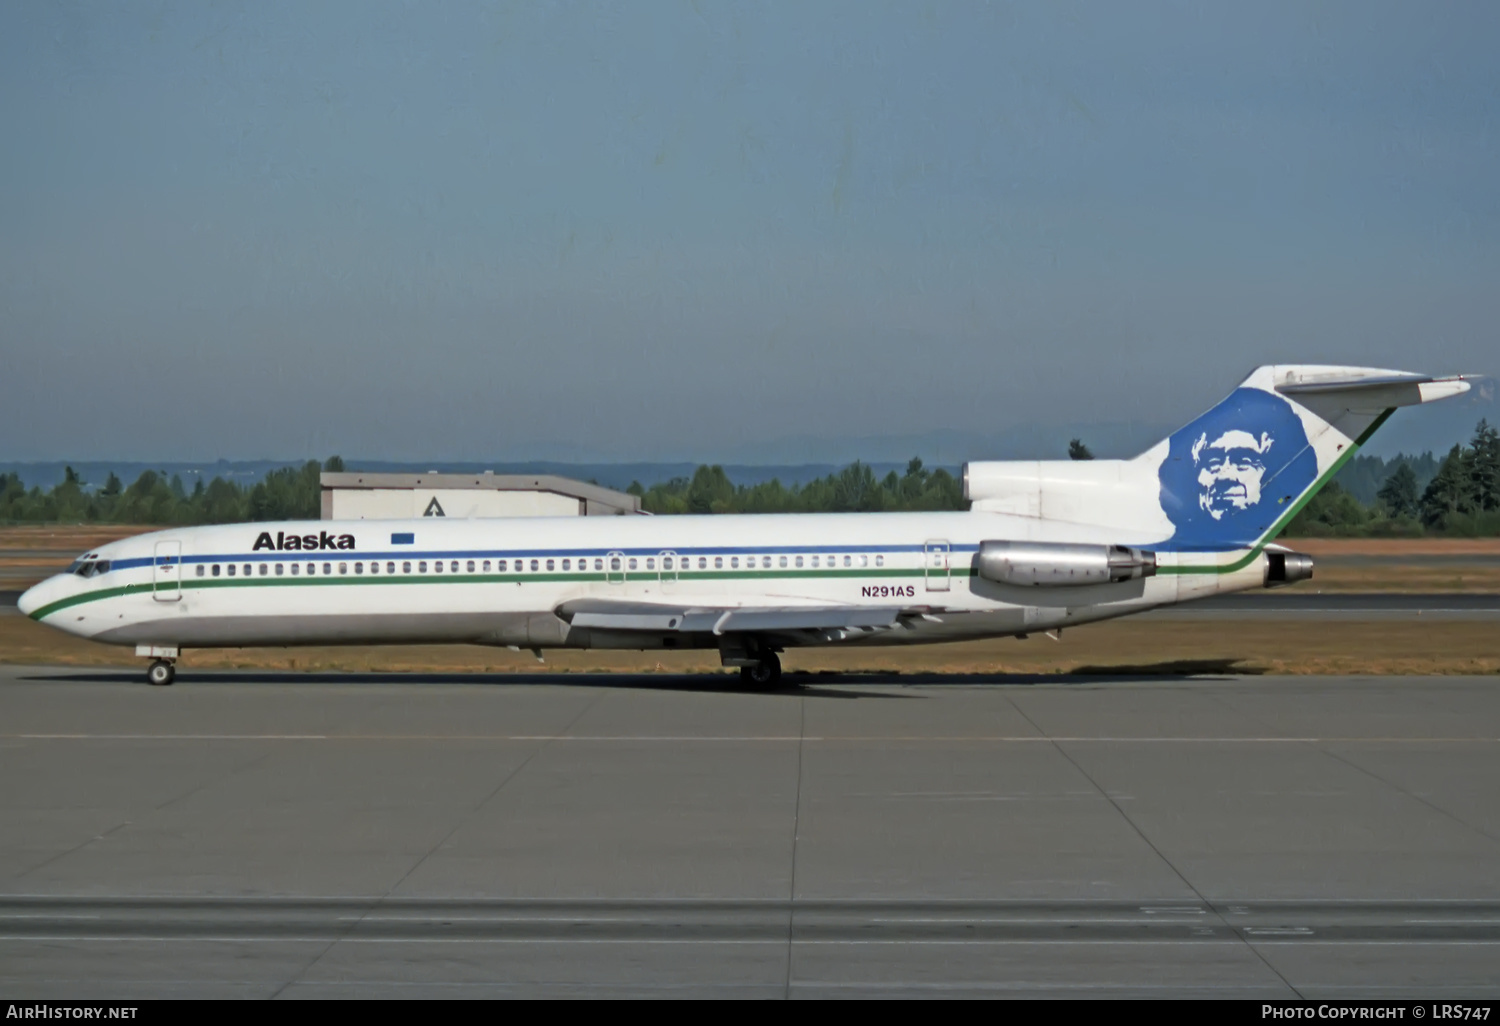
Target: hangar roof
[[597, 500]]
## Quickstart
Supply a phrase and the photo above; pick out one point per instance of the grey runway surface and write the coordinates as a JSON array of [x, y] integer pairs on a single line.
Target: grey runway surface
[[275, 834]]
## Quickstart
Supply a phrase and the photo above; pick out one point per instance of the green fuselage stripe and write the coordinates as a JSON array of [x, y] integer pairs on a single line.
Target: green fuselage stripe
[[538, 578]]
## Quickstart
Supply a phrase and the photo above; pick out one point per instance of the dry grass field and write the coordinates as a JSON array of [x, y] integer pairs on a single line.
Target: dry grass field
[[1141, 646]]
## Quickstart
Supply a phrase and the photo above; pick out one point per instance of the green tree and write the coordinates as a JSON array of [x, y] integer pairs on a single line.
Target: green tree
[[1448, 492], [710, 491], [1399, 493], [1484, 468], [1078, 451]]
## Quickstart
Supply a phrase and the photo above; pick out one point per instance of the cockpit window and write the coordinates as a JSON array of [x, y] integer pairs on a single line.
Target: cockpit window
[[89, 567]]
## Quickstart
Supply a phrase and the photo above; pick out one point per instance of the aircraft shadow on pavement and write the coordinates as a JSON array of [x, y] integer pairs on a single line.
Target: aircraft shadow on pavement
[[795, 684], [791, 687]]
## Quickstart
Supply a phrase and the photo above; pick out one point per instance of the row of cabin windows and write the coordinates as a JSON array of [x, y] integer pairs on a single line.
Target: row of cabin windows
[[520, 565]]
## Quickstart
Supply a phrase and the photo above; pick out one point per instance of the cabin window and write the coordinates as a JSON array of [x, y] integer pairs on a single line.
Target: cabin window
[[630, 563], [815, 561], [343, 569], [567, 564], [264, 569], [666, 562], [471, 566], [864, 560], [216, 569], [880, 561], [486, 566], [231, 569], [406, 568], [550, 565], [296, 568], [734, 562], [312, 568], [783, 561], [200, 569], [718, 562], [702, 562], [848, 561], [374, 568], [535, 566], [327, 569], [799, 562], [500, 565], [359, 568], [614, 562], [437, 566], [650, 562]]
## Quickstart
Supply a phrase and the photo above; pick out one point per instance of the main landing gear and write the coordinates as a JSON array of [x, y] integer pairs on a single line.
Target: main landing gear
[[764, 673], [161, 673]]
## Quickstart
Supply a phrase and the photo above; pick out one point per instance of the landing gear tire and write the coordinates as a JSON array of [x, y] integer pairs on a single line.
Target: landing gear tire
[[764, 674], [161, 673]]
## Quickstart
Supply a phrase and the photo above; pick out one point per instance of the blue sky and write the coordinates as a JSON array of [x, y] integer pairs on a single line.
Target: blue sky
[[693, 230]]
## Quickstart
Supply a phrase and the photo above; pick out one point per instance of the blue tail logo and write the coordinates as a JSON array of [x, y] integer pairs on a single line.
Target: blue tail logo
[[1232, 472]]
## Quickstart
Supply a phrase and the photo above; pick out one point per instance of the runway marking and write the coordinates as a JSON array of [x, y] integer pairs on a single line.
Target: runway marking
[[1227, 940], [755, 738]]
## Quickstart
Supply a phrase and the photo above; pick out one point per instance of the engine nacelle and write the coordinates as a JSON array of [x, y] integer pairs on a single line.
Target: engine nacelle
[[1283, 568], [1054, 564]]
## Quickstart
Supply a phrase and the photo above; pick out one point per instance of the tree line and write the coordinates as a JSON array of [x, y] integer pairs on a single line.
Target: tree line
[[1458, 494], [855, 489], [1461, 496], [291, 493]]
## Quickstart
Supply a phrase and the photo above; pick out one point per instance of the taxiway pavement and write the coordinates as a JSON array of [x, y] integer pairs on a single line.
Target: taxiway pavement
[[277, 834]]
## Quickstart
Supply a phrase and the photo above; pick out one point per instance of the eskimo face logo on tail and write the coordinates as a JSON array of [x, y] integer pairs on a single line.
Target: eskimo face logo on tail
[[1233, 471], [1230, 470]]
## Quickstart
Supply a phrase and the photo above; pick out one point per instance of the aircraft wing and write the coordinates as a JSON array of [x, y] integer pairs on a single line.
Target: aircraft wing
[[636, 616]]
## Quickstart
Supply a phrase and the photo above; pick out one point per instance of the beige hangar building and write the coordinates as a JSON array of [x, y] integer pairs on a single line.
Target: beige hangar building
[[357, 496]]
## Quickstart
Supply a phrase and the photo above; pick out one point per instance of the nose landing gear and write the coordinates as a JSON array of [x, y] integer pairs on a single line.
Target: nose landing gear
[[163, 669]]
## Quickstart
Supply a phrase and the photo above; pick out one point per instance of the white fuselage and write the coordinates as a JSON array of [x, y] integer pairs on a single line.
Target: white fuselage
[[504, 582]]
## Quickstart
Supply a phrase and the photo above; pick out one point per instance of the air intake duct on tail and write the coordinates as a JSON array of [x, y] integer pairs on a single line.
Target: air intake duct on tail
[[1052, 564]]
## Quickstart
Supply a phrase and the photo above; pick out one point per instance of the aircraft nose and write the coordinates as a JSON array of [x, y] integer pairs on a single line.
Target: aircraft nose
[[29, 600]]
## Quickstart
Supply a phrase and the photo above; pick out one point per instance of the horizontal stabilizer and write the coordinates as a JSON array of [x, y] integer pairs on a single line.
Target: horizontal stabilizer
[[1382, 388]]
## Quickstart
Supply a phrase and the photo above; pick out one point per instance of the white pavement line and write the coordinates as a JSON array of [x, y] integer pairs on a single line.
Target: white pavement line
[[730, 739]]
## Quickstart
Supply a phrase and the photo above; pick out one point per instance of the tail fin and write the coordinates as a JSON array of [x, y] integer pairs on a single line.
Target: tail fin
[[1237, 475]]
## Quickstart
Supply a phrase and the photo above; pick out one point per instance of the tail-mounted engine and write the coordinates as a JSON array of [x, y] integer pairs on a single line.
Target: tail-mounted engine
[[1284, 568], [1052, 564]]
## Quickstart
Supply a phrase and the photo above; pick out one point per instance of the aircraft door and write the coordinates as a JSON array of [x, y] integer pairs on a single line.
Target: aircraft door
[[667, 563], [166, 572], [936, 558], [614, 567]]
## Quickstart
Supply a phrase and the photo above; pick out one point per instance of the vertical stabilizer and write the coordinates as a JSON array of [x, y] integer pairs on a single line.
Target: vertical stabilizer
[[1236, 475]]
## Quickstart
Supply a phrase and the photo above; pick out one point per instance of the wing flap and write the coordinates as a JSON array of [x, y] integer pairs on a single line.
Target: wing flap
[[723, 620]]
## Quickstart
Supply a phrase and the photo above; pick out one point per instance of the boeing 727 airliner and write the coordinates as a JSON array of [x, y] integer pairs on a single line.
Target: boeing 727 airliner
[[1044, 546]]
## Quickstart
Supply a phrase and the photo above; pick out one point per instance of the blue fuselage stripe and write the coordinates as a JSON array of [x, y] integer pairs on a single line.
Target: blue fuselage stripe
[[330, 555]]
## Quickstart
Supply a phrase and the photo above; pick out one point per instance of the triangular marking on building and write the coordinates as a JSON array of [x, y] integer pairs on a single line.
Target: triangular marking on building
[[434, 509]]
